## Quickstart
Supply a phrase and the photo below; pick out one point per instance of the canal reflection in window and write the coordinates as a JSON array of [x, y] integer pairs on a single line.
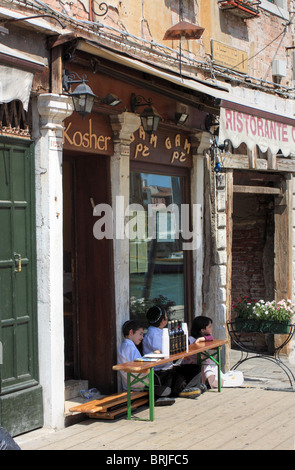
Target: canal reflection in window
[[156, 255]]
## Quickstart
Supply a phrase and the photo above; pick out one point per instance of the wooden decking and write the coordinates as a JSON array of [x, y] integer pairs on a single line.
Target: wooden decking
[[244, 418], [250, 417]]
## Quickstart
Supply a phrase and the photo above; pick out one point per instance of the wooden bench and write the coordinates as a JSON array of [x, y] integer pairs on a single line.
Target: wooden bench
[[144, 371], [111, 406]]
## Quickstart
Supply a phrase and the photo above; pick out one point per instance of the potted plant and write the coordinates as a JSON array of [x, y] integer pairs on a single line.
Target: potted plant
[[245, 321], [265, 317], [275, 317]]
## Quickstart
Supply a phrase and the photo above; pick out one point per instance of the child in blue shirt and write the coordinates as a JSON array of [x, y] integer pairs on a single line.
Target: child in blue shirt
[[184, 380], [128, 352]]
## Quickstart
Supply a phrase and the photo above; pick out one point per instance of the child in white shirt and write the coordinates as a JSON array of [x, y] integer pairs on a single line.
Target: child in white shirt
[[183, 380], [128, 351]]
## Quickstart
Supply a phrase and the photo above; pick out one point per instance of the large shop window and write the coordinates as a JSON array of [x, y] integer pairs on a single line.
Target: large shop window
[[157, 259]]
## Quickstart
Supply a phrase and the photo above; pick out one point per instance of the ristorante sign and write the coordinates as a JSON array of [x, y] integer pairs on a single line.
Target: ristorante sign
[[267, 133]]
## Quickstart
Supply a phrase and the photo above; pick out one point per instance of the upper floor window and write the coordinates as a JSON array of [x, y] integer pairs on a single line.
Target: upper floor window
[[277, 7]]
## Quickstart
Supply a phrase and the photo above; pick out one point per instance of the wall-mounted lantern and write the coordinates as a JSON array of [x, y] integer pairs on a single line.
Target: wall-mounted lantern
[[149, 117], [83, 97]]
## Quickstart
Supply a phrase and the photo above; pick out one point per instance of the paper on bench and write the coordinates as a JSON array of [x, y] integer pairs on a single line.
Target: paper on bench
[[155, 355], [150, 357]]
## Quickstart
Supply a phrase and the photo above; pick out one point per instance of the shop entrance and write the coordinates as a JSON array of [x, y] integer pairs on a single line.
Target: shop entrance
[[89, 315], [253, 246], [260, 239], [253, 255], [21, 407]]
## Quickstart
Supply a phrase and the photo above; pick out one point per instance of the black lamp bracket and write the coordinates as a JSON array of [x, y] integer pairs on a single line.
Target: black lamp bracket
[[138, 100], [72, 77]]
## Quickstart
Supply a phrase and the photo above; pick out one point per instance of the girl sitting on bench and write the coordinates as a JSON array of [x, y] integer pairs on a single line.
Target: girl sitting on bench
[[202, 331]]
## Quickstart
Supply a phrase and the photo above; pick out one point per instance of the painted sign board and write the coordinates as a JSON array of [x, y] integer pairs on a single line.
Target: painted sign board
[[229, 57]]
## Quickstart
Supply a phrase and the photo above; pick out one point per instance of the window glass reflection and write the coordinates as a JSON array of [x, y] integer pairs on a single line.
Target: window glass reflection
[[156, 255]]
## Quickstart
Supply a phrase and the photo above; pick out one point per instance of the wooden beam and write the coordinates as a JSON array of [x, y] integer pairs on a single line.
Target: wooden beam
[[256, 190], [61, 39], [252, 155], [237, 161], [271, 160], [229, 243], [18, 62], [56, 70], [283, 243], [248, 177], [283, 249]]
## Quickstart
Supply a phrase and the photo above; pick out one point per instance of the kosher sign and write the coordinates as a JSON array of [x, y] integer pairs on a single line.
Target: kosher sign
[[253, 130], [91, 135]]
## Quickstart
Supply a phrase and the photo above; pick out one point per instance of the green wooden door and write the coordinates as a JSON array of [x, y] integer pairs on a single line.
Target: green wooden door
[[20, 393]]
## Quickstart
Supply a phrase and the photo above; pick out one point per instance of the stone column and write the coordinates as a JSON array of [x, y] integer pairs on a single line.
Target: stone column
[[200, 143], [123, 125], [210, 264], [53, 109]]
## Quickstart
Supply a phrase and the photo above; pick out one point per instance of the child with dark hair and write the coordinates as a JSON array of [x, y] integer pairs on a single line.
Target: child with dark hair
[[129, 352], [202, 331], [183, 380]]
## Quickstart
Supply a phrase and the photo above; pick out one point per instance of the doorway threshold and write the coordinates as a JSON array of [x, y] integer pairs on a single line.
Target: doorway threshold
[[77, 393]]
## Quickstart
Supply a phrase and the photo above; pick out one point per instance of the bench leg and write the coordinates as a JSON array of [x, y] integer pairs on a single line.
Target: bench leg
[[151, 394], [128, 396], [217, 361], [219, 369]]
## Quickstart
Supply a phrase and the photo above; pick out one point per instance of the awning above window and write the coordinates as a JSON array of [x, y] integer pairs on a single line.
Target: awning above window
[[16, 75], [255, 127], [15, 84]]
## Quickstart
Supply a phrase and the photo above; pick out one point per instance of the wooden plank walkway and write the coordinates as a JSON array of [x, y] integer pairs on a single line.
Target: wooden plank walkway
[[250, 417], [243, 418]]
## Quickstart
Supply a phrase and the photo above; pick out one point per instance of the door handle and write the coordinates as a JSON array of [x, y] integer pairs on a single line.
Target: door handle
[[17, 262]]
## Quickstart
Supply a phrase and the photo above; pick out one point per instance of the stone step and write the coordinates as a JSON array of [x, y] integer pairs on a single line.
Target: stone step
[[73, 388], [73, 397]]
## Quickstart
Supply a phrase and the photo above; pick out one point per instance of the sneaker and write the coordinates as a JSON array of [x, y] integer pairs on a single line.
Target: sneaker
[[191, 392], [164, 401]]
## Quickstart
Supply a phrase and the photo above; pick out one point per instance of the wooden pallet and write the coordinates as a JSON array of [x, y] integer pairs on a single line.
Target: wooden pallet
[[111, 406]]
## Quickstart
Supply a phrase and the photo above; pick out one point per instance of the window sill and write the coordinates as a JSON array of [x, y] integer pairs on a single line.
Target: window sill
[[274, 9]]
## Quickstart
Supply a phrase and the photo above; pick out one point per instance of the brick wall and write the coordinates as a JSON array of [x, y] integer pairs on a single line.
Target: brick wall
[[252, 249], [253, 255]]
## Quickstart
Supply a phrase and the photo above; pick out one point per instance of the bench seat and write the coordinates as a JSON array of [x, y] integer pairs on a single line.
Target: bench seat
[[111, 406]]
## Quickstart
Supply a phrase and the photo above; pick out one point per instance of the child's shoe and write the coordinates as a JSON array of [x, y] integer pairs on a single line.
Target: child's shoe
[[191, 392]]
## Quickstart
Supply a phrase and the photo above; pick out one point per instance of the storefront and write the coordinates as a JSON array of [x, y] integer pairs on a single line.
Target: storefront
[[259, 174], [89, 313], [160, 263], [111, 164]]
